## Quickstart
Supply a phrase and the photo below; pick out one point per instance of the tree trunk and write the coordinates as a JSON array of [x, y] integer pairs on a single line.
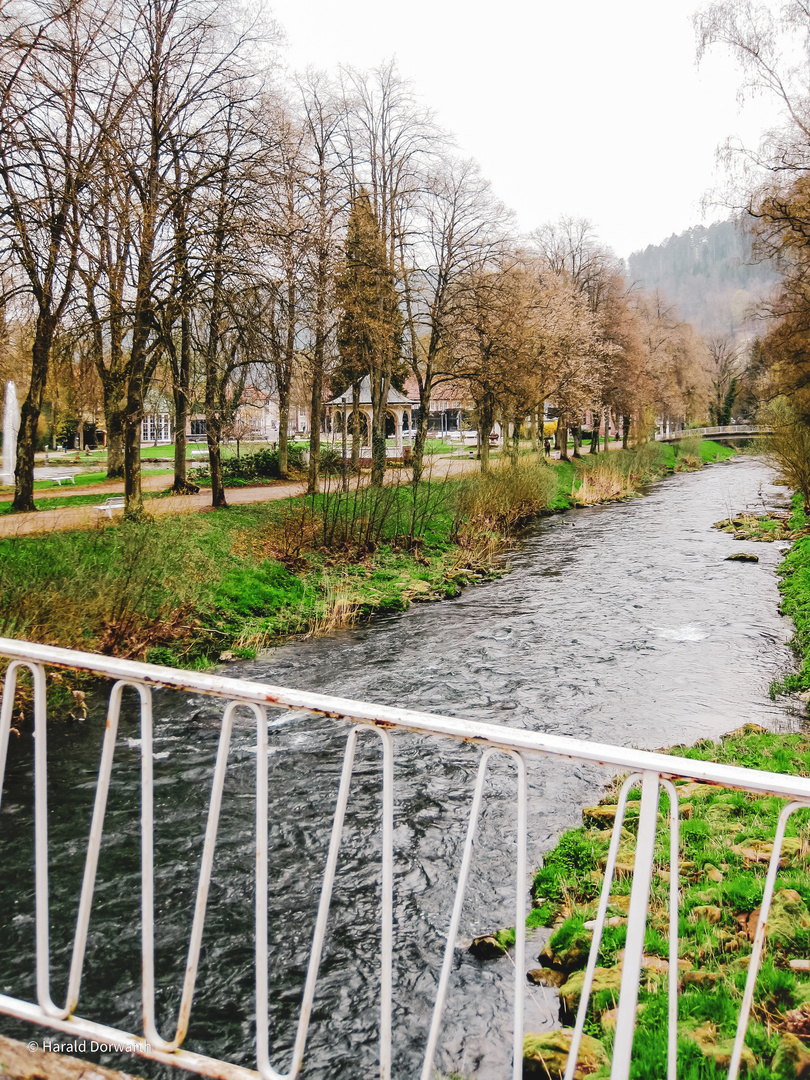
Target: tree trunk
[[213, 426], [379, 381], [577, 432], [595, 423], [315, 412], [181, 391], [607, 429], [29, 414], [283, 433], [533, 429], [625, 430], [133, 497], [418, 451], [514, 455], [562, 436], [356, 426], [486, 419], [116, 422]]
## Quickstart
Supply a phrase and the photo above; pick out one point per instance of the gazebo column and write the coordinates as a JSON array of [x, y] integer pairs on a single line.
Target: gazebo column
[[398, 426]]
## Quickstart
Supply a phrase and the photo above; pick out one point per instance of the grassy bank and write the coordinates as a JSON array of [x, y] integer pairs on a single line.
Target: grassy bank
[[189, 589], [185, 589], [726, 839]]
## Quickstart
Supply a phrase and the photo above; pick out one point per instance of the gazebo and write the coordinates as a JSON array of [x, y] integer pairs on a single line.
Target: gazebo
[[398, 413]]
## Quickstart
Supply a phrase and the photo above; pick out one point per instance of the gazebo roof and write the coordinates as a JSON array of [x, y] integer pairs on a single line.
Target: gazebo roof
[[394, 396]]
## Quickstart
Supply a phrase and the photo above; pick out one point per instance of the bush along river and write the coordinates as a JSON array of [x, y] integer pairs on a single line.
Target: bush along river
[[622, 623]]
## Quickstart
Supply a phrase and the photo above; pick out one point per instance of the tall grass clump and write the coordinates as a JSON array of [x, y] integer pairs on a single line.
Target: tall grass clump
[[603, 480], [117, 590], [688, 451], [645, 462], [502, 500], [358, 520]]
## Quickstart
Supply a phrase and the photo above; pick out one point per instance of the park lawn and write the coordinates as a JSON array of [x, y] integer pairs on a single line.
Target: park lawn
[[59, 502], [84, 480]]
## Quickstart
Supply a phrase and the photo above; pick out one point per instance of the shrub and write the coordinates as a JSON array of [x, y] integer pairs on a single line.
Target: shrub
[[330, 461], [263, 465]]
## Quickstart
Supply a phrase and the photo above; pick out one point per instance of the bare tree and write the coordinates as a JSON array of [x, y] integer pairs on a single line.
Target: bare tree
[[458, 227], [390, 141], [57, 66], [189, 63], [325, 194]]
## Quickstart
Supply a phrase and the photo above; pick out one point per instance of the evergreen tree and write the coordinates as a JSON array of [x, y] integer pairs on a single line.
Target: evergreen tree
[[370, 327]]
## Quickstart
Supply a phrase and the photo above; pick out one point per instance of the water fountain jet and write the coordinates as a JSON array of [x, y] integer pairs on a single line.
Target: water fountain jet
[[11, 429]]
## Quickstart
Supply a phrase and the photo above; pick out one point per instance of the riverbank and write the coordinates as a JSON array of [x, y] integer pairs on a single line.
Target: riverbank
[[726, 840], [192, 589]]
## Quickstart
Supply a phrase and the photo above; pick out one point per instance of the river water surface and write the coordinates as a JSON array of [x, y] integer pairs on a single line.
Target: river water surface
[[622, 623]]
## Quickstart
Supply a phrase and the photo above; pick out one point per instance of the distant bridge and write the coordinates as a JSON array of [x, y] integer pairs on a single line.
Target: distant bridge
[[729, 431]]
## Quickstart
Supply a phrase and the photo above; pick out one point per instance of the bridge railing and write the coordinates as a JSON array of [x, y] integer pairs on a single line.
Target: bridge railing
[[654, 772], [753, 430]]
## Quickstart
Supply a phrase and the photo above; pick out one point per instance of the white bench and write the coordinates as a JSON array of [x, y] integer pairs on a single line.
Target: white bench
[[58, 479], [199, 453], [115, 502]]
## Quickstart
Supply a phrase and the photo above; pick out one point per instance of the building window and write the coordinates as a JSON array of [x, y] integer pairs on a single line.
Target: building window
[[156, 428], [198, 429]]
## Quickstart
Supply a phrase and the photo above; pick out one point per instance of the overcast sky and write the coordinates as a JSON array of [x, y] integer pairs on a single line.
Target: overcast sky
[[591, 109]]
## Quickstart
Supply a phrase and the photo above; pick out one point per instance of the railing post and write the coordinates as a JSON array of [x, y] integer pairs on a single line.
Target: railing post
[[636, 927]]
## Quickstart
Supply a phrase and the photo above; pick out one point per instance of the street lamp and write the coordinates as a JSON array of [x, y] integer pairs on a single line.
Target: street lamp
[[345, 478]]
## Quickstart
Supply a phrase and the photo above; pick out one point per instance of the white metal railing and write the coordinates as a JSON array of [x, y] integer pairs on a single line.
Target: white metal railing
[[653, 771]]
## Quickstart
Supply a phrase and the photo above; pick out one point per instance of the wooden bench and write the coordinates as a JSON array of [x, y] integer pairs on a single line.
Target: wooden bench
[[115, 502], [58, 479]]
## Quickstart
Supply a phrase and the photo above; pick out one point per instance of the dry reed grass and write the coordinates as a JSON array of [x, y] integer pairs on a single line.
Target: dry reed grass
[[601, 483]]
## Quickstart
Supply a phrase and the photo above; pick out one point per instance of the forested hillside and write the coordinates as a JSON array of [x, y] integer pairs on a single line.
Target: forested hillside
[[707, 274]]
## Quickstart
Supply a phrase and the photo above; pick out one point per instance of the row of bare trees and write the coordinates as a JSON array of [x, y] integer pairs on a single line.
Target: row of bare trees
[[172, 210]]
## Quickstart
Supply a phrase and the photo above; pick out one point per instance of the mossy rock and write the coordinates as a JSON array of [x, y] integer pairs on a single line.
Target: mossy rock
[[742, 556], [760, 851], [705, 980], [604, 979], [718, 1050], [706, 913], [791, 1060], [545, 1056], [487, 947], [493, 946], [788, 914], [567, 957], [600, 817], [546, 977]]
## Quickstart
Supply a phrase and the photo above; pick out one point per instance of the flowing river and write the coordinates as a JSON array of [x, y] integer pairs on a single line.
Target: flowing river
[[621, 623]]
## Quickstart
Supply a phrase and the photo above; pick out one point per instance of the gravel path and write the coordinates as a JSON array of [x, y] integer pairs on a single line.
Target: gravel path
[[87, 517]]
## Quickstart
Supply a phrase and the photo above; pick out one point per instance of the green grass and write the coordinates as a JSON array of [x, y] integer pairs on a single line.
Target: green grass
[[717, 828], [185, 588], [59, 502], [794, 585], [82, 480]]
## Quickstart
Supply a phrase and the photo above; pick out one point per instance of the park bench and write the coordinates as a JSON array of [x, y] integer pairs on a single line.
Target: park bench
[[58, 479], [199, 454], [115, 502]]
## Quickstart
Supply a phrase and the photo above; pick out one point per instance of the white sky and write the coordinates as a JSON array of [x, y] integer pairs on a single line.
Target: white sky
[[593, 109]]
